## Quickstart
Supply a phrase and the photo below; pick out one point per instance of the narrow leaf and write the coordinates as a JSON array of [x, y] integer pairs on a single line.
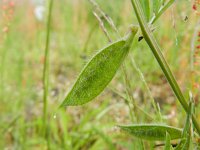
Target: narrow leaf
[[146, 8], [156, 5], [152, 131], [184, 144], [187, 127], [162, 10], [99, 71], [180, 146], [168, 142]]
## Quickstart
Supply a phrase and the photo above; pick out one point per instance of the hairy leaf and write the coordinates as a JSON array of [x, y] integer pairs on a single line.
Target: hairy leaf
[[152, 131], [99, 71]]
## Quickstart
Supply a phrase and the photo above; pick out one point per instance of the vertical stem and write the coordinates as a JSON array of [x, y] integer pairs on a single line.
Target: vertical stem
[[45, 77], [156, 50]]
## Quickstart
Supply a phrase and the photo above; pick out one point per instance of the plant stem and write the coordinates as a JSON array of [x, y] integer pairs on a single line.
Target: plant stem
[[156, 50], [46, 68]]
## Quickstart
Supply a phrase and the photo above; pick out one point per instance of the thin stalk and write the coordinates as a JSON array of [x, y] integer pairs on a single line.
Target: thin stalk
[[155, 106], [138, 107], [45, 77], [102, 26], [129, 99], [156, 50], [105, 16]]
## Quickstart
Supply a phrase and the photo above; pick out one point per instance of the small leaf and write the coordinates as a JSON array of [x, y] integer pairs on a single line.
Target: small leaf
[[152, 131], [99, 71]]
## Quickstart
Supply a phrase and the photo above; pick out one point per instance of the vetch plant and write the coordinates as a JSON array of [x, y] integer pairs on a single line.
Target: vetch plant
[[156, 50], [102, 67], [99, 71], [152, 131]]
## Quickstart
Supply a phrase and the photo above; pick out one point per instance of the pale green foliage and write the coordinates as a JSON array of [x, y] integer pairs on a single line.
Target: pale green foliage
[[99, 71], [152, 131], [146, 8], [167, 142], [156, 5]]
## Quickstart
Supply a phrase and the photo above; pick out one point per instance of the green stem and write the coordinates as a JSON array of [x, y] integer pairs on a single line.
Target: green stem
[[45, 77], [156, 50], [161, 11]]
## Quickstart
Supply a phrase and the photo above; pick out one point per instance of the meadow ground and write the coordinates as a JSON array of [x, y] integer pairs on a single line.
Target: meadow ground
[[75, 37]]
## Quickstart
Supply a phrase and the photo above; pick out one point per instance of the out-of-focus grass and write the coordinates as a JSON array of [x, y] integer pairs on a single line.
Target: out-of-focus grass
[[90, 126]]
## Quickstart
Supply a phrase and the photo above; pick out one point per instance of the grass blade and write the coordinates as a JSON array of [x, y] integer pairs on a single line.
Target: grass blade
[[186, 135], [180, 146], [167, 142], [156, 6], [146, 8], [45, 77]]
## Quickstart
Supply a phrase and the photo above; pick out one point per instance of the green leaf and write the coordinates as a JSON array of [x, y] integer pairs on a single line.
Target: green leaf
[[146, 8], [184, 144], [168, 142], [156, 5], [181, 144], [152, 131], [99, 71], [162, 10], [106, 138]]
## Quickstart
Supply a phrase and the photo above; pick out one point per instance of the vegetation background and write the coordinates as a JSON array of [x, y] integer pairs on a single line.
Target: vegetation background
[[76, 36]]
